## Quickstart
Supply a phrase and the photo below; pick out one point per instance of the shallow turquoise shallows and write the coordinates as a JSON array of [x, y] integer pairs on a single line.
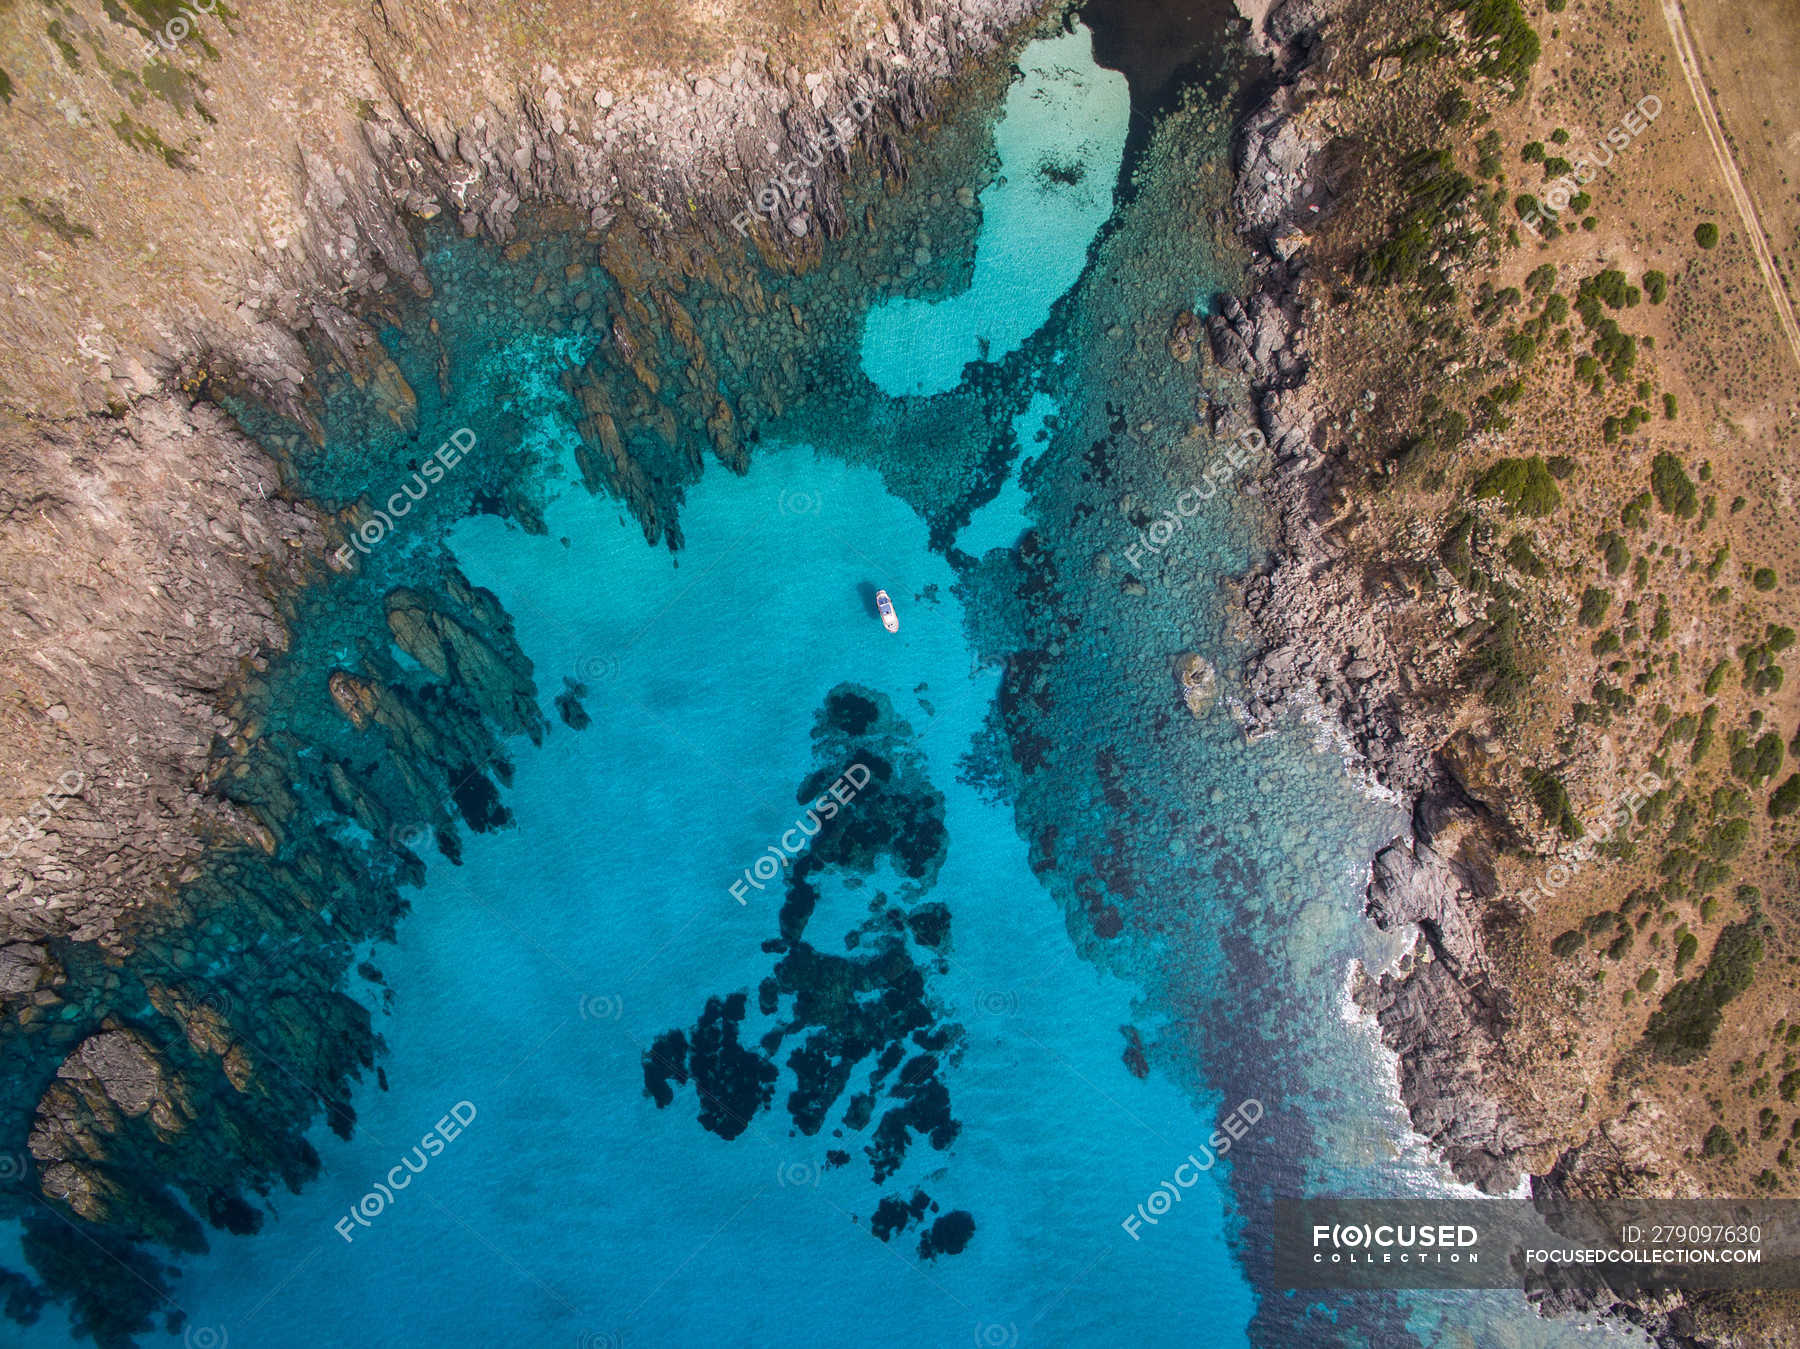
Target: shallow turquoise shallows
[[1061, 139], [529, 981]]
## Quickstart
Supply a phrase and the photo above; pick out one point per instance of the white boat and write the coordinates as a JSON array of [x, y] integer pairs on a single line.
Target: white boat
[[889, 619]]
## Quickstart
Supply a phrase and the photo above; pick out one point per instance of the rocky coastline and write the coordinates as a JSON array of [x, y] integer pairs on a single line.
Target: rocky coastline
[[162, 511], [1342, 641], [155, 557], [1327, 652]]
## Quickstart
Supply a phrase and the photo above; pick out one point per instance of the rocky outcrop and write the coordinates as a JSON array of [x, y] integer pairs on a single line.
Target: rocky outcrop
[[134, 595], [1328, 646], [113, 1076], [295, 162], [1438, 1009], [1199, 682], [473, 648]]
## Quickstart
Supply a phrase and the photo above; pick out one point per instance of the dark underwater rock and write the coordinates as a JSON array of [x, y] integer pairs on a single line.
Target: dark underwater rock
[[867, 1014]]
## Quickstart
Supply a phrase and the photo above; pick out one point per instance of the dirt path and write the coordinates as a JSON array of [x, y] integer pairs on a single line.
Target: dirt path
[[1759, 242]]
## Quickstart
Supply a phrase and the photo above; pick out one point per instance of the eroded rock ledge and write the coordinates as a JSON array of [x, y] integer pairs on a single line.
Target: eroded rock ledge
[[1329, 652]]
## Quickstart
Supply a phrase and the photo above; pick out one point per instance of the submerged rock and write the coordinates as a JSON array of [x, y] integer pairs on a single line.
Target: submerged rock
[[1199, 682]]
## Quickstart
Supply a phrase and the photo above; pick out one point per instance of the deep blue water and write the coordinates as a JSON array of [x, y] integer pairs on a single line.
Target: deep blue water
[[1004, 992]]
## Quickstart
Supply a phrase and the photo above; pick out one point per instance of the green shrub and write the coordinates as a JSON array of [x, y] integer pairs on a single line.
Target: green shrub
[[1553, 802], [1706, 234], [1656, 286], [1566, 945], [1487, 151], [1609, 285], [1673, 488], [1685, 951], [1727, 840], [1524, 485], [1703, 738], [1522, 557], [1764, 760], [1511, 58], [1785, 799], [1456, 550], [1763, 578], [1594, 604], [1682, 1029], [1434, 190]]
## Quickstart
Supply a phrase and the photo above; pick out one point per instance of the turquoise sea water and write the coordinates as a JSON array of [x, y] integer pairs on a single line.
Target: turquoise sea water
[[1011, 985], [1060, 138], [530, 980]]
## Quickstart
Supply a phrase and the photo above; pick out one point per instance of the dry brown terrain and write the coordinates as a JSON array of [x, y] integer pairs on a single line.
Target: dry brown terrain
[[1749, 52]]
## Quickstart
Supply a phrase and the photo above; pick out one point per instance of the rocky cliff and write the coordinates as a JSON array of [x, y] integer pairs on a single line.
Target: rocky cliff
[[1334, 651]]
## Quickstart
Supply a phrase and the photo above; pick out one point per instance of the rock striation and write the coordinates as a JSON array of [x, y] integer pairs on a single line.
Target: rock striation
[[142, 535]]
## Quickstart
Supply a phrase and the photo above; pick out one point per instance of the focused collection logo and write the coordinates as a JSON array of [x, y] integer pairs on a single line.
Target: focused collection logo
[[1394, 1243]]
